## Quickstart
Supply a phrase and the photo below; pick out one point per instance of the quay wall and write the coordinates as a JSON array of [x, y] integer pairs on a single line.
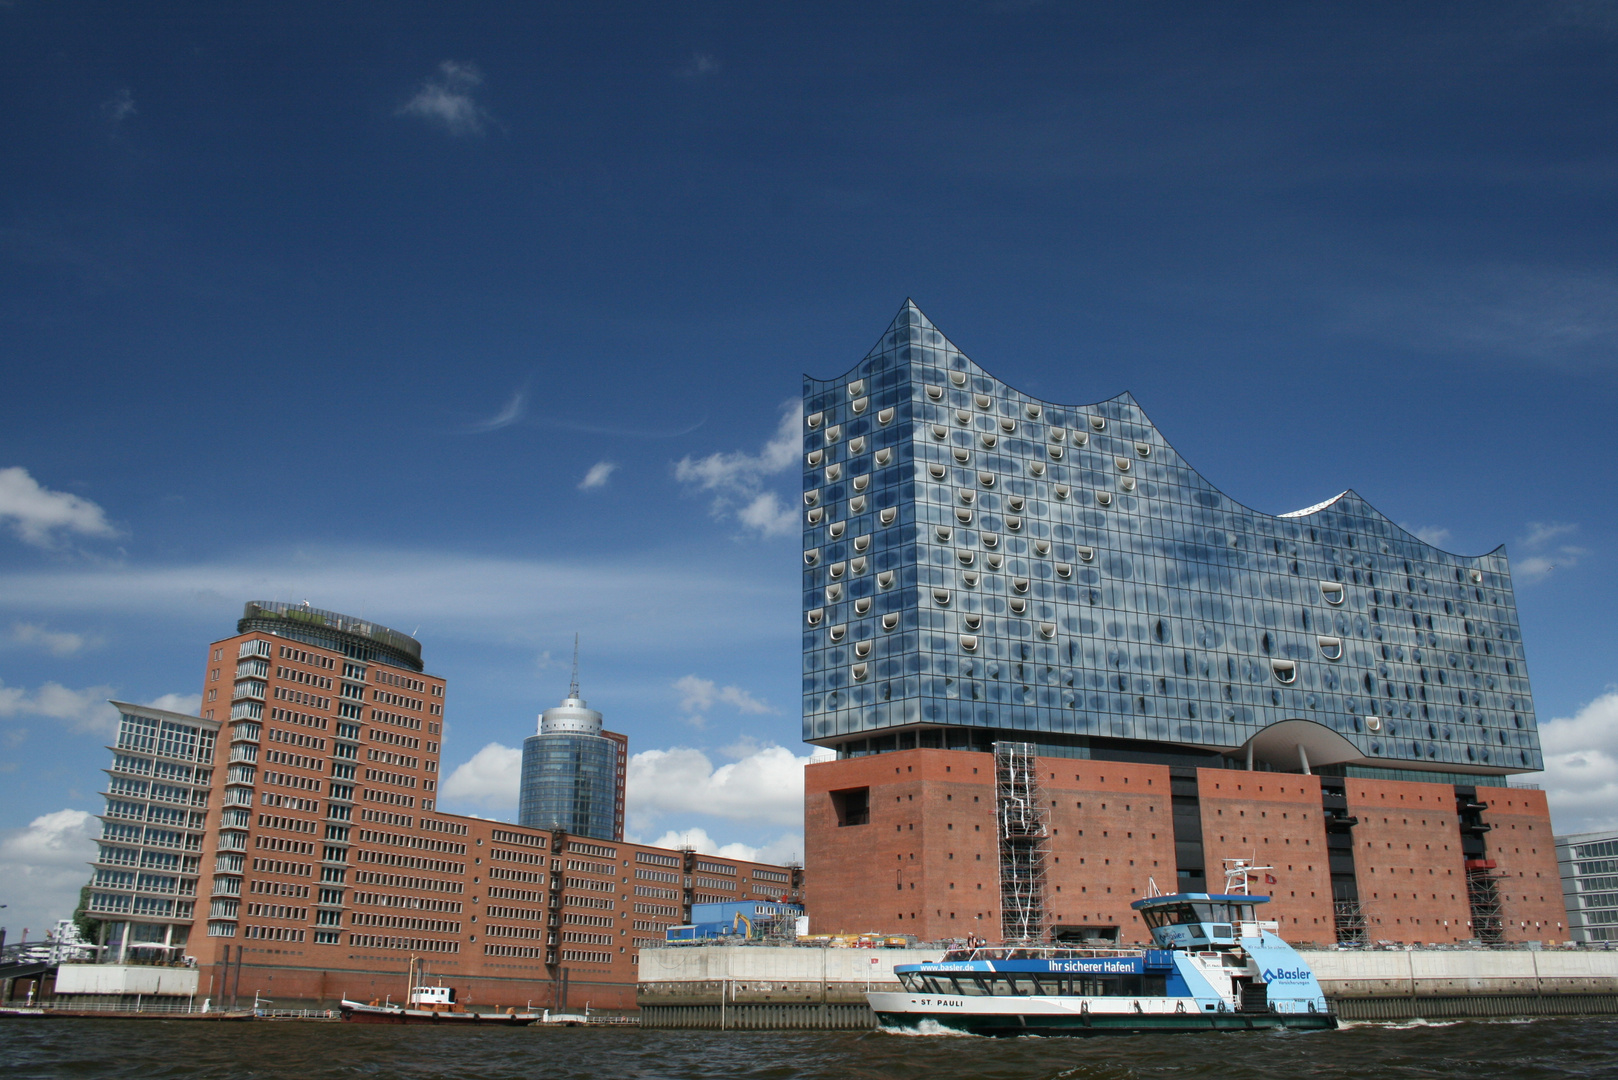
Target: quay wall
[[758, 987]]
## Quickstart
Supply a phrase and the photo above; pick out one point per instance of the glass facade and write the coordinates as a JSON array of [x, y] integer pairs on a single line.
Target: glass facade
[[144, 887], [979, 562], [1589, 866], [572, 774]]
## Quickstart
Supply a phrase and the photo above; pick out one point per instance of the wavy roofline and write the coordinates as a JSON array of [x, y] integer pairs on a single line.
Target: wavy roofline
[[1126, 396]]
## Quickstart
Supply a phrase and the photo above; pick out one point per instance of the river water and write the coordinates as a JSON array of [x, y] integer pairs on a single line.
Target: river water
[[181, 1050]]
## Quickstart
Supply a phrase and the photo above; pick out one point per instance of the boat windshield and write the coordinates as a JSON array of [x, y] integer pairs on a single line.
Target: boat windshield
[[1023, 984], [1197, 911]]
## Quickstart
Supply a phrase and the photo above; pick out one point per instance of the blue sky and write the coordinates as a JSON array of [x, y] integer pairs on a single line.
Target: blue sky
[[349, 303]]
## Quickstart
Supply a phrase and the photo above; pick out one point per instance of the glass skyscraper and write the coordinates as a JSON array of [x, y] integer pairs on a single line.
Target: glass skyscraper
[[573, 773], [980, 565]]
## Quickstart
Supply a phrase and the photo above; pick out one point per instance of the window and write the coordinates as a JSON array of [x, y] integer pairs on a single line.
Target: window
[[990, 540], [1123, 463], [986, 479], [1063, 491], [811, 557], [1087, 553], [834, 473], [815, 515], [813, 420], [856, 388], [861, 482], [1008, 425], [935, 393], [834, 433], [860, 544], [972, 622], [856, 505], [884, 456], [1064, 570], [988, 439], [963, 418], [1127, 483], [1143, 449], [814, 458], [1097, 422], [1013, 523], [834, 593], [835, 529], [884, 580], [961, 455], [958, 378], [963, 515], [837, 633], [1018, 605], [940, 432], [887, 515], [862, 649], [890, 620], [937, 472], [862, 605], [969, 642], [811, 497], [963, 555], [941, 597], [1104, 498], [1020, 584], [1331, 648], [983, 401], [857, 445], [1285, 671], [836, 569], [852, 806], [859, 671], [967, 496], [859, 405], [814, 615], [969, 578], [1047, 630], [885, 416], [1042, 547], [1033, 411], [1056, 453], [1332, 591], [943, 532], [1037, 468], [1373, 723]]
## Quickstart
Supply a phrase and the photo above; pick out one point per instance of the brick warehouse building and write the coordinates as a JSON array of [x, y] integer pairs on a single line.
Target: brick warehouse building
[[311, 861], [1059, 667]]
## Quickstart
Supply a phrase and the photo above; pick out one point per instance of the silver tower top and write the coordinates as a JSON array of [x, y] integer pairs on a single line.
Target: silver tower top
[[571, 717]]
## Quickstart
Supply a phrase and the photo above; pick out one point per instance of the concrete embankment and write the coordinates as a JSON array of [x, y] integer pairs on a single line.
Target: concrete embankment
[[759, 987]]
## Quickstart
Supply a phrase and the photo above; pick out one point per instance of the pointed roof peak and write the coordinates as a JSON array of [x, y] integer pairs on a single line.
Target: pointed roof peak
[[910, 315]]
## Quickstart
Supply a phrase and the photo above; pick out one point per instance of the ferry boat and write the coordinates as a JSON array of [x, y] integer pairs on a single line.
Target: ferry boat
[[1215, 968], [430, 1005]]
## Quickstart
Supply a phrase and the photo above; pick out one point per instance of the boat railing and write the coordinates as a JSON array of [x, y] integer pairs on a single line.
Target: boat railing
[[1038, 952]]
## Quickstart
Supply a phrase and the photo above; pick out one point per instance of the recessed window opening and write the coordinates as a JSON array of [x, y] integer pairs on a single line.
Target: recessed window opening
[[862, 605], [969, 642], [1285, 671], [969, 578], [1087, 553], [835, 529], [1015, 502], [1047, 630], [1033, 411], [834, 472], [943, 532], [816, 514], [856, 388], [885, 416], [862, 542], [1332, 592], [811, 556], [815, 457], [1017, 605], [1099, 423], [1373, 723], [834, 433], [940, 432], [1064, 570], [986, 479], [1330, 647], [968, 496], [890, 620], [1042, 547], [838, 632], [1143, 449], [958, 378], [936, 393], [989, 439], [941, 597], [1062, 491], [1013, 523], [884, 455], [861, 482], [1037, 468], [815, 615], [814, 419], [1081, 438], [856, 445], [972, 622], [811, 497], [1020, 584], [887, 514], [1123, 463], [1008, 425], [963, 417], [937, 471], [963, 515], [1476, 576], [1104, 498], [962, 455], [994, 561], [990, 540], [857, 565], [856, 505], [1056, 453], [1127, 483], [834, 593], [860, 405], [862, 649], [884, 580], [983, 401], [859, 671], [1058, 434]]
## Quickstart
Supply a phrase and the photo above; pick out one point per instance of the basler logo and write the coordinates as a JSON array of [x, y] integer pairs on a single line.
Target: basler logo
[[1284, 975]]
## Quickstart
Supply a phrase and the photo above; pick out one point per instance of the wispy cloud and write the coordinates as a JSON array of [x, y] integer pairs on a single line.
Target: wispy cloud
[[698, 696], [513, 411], [737, 478], [786, 847], [1545, 555], [489, 780], [55, 642], [598, 475], [765, 787], [120, 107], [446, 100], [39, 515], [180, 703], [1432, 534], [80, 710]]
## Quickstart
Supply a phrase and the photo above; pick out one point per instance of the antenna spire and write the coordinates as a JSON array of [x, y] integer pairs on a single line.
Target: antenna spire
[[573, 687]]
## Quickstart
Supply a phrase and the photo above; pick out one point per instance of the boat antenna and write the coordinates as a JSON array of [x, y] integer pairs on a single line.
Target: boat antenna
[[573, 687]]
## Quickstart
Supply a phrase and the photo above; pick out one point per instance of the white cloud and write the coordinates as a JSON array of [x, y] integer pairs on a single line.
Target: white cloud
[[81, 710], [598, 475], [1432, 534], [764, 787], [491, 779], [513, 411], [1581, 766], [446, 100], [786, 847], [36, 514], [55, 642], [1545, 556], [180, 703], [44, 867], [737, 478]]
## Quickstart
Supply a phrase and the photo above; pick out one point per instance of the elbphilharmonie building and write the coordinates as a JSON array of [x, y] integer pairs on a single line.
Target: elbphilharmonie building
[[985, 569]]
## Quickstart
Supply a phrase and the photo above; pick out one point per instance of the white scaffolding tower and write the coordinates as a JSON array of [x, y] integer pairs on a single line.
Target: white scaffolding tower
[[1023, 827]]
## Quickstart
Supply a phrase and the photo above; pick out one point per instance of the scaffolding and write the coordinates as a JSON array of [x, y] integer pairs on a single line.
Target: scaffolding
[[1483, 897], [1349, 918], [1023, 829]]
